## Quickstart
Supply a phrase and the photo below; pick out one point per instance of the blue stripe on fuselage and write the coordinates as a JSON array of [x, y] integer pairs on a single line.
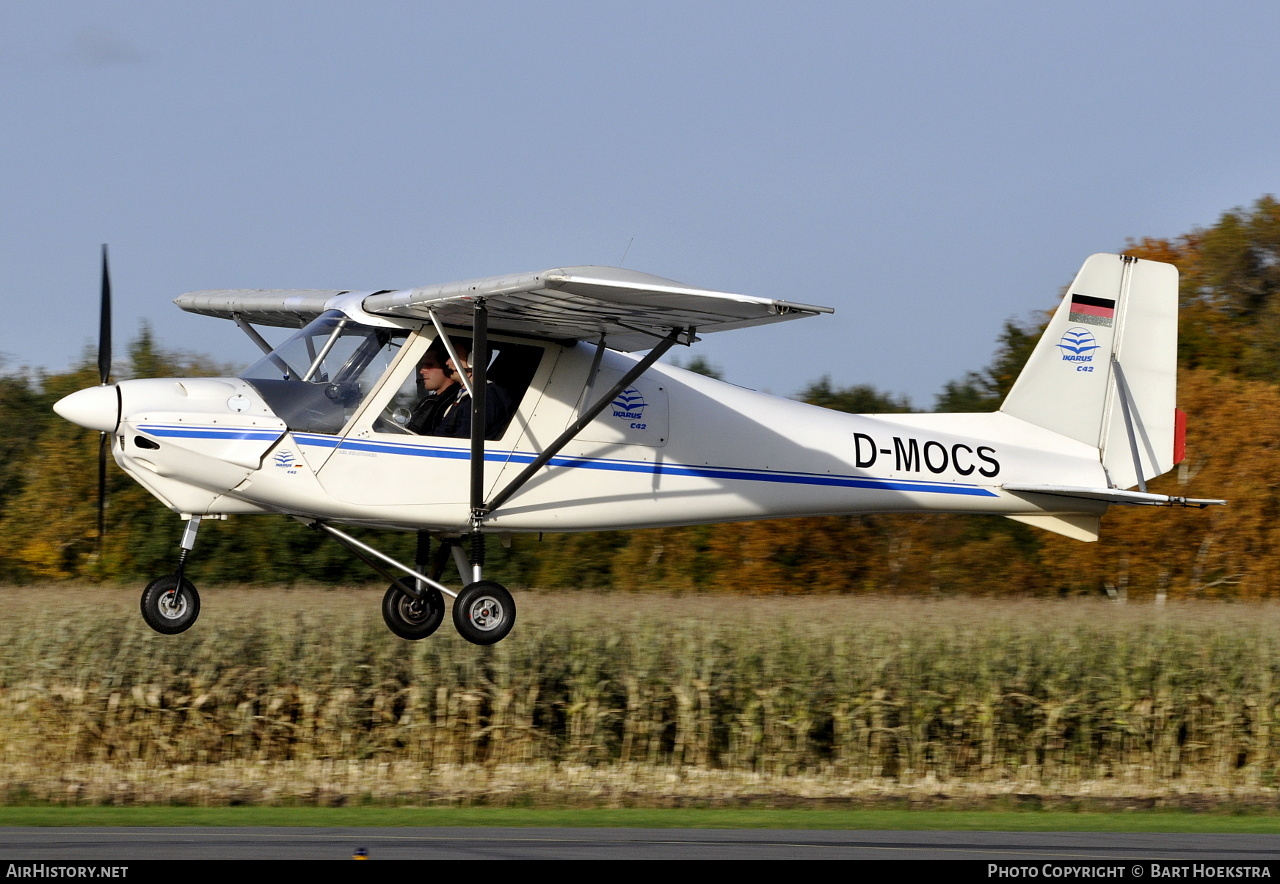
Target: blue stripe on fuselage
[[188, 432], [659, 469]]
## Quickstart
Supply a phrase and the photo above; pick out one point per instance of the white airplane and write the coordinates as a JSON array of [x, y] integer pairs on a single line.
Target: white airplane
[[588, 436]]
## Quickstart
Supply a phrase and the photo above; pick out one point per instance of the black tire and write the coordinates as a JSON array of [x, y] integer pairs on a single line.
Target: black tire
[[484, 612], [412, 618], [169, 612]]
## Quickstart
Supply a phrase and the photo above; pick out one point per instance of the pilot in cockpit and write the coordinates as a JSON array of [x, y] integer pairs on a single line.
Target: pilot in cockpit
[[445, 408]]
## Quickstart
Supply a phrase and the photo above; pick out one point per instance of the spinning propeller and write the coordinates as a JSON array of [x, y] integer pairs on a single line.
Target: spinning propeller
[[98, 408], [104, 373]]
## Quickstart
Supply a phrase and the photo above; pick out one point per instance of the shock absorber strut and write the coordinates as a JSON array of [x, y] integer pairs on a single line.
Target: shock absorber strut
[[477, 556]]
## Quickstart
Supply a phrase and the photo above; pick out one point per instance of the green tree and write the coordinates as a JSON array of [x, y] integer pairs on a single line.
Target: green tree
[[858, 399], [984, 390], [1240, 264], [700, 365], [23, 412]]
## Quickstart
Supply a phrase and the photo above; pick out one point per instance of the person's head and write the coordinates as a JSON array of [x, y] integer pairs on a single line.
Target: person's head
[[436, 368]]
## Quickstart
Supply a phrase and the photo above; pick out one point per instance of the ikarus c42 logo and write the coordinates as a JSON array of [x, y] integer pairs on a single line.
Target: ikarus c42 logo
[[629, 406], [1077, 345]]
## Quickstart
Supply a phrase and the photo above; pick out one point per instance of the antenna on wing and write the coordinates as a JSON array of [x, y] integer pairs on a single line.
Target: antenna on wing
[[104, 375], [623, 259]]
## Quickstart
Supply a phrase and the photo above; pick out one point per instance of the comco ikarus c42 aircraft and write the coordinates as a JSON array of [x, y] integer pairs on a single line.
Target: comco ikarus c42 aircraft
[[591, 436]]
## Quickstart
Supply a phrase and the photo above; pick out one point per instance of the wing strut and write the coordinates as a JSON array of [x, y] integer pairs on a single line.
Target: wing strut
[[261, 342], [453, 354], [479, 425], [588, 416]]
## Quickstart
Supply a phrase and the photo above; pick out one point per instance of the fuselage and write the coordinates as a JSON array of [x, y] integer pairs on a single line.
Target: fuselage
[[674, 448]]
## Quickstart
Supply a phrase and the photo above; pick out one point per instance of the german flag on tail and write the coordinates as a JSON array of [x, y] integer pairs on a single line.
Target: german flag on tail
[[1092, 311]]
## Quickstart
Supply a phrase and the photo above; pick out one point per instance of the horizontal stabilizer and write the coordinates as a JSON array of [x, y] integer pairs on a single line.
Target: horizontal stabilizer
[[1077, 526], [1115, 496]]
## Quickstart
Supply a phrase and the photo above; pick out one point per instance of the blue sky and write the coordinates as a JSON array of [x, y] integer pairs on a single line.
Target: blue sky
[[928, 169]]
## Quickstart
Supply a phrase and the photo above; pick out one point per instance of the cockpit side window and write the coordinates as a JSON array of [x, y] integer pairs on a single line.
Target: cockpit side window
[[416, 410], [513, 369]]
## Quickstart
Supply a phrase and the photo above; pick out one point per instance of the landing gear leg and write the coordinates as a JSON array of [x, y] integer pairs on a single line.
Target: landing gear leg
[[413, 606], [484, 612], [170, 604]]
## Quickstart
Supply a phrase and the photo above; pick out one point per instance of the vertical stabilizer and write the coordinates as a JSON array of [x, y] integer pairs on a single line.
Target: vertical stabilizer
[[1105, 370]]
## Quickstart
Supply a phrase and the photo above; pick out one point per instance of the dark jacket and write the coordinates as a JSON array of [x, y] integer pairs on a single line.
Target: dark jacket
[[455, 418], [427, 414]]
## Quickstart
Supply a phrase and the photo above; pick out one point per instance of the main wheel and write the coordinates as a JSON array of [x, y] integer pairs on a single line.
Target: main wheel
[[413, 618], [484, 612], [168, 608]]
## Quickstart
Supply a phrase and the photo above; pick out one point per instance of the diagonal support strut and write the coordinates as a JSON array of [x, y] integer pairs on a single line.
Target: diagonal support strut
[[374, 559], [1127, 409], [567, 436]]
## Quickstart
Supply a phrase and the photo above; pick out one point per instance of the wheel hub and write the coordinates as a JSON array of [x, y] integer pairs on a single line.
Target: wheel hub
[[173, 605], [486, 614]]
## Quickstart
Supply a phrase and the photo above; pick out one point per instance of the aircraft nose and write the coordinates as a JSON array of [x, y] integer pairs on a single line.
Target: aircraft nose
[[97, 408]]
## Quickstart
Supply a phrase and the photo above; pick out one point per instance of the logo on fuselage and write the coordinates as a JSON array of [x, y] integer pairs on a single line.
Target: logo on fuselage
[[1077, 345], [285, 460], [629, 405]]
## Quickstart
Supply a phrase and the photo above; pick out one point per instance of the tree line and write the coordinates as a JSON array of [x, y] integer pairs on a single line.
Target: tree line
[[1229, 384]]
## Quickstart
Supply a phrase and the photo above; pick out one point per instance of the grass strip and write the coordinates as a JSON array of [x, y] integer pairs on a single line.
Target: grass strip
[[1243, 822]]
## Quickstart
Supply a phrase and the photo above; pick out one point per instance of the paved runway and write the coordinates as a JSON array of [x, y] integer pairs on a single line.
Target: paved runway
[[124, 844]]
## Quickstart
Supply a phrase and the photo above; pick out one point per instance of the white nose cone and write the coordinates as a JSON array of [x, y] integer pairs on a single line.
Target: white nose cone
[[97, 408]]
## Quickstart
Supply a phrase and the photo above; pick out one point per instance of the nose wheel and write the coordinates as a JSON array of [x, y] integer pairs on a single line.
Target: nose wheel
[[170, 604]]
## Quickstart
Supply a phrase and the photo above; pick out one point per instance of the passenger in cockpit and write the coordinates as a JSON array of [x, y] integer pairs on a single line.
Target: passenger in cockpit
[[445, 410]]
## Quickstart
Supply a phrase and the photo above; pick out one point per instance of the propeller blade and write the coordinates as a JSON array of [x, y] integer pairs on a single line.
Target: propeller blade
[[104, 374], [102, 488], [104, 322]]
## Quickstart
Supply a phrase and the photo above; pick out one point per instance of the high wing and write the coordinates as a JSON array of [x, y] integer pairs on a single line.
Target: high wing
[[631, 310], [288, 308]]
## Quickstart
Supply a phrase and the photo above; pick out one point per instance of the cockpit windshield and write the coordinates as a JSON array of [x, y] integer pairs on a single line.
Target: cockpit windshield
[[317, 379]]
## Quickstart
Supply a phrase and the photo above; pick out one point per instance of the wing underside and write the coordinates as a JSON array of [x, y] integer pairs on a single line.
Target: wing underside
[[630, 310]]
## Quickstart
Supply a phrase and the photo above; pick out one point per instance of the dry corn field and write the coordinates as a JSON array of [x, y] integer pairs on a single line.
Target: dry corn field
[[303, 697]]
